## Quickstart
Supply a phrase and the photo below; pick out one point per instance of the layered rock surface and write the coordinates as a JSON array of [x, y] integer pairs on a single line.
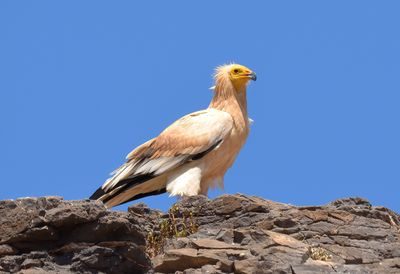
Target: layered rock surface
[[39, 235], [230, 234]]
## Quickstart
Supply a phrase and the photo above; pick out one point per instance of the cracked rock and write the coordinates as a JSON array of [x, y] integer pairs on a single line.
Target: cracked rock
[[229, 234]]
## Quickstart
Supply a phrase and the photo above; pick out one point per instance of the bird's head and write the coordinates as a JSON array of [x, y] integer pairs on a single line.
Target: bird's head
[[239, 75]]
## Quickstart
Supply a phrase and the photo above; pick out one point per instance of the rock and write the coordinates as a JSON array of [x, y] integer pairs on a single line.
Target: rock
[[7, 250], [312, 269], [214, 244], [76, 212], [346, 236], [181, 259], [31, 263], [226, 236], [285, 240], [230, 234], [48, 234], [245, 266]]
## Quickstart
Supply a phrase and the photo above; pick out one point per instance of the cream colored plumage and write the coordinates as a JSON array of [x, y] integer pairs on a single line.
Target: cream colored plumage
[[193, 153]]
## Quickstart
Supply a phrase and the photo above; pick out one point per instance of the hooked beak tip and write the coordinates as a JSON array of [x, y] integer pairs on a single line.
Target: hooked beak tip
[[253, 76]]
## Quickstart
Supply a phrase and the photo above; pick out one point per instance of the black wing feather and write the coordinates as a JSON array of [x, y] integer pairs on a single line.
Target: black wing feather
[[142, 178]]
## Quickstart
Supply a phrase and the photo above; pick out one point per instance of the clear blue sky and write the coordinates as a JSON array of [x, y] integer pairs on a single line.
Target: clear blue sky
[[84, 82]]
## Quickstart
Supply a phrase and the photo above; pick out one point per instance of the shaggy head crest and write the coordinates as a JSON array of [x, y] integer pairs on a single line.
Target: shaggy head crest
[[235, 74]]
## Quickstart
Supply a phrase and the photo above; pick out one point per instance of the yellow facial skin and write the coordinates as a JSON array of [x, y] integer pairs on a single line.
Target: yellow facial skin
[[240, 75]]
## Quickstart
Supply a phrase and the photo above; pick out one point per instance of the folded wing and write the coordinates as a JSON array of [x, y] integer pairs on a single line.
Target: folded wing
[[188, 139]]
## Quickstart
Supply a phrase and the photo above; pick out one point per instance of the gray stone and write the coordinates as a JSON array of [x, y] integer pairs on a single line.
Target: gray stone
[[50, 235], [230, 234]]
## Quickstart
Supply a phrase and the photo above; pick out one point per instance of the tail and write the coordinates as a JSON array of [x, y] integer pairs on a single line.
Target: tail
[[130, 190]]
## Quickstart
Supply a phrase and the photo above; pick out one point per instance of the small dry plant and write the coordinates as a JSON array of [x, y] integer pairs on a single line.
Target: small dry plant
[[180, 223], [319, 253]]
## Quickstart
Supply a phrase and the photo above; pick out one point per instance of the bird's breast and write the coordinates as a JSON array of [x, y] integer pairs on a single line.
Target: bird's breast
[[220, 159]]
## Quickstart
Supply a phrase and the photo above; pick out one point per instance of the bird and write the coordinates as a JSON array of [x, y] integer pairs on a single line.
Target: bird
[[193, 153]]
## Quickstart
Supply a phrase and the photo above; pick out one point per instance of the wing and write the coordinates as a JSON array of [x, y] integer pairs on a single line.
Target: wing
[[187, 139]]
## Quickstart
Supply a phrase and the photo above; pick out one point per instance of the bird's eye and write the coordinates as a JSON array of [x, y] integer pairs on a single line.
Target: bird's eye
[[236, 71]]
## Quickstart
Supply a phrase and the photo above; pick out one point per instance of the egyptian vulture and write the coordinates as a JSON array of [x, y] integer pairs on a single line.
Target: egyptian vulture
[[193, 153]]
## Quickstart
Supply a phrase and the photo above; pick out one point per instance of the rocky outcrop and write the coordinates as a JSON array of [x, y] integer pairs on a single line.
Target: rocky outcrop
[[244, 234], [39, 235], [230, 234]]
